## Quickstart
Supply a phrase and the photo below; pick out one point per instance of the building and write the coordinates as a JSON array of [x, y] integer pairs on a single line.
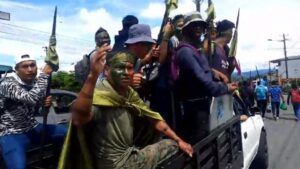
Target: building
[[293, 64]]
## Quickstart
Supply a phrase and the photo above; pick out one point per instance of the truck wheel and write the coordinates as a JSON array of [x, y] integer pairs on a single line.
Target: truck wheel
[[261, 159]]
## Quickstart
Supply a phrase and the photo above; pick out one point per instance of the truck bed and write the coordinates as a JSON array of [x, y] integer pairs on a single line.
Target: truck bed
[[221, 149]]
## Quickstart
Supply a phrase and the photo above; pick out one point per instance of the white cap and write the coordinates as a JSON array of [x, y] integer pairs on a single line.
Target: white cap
[[23, 58]]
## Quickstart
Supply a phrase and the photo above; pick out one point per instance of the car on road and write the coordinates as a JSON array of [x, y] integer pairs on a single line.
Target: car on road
[[59, 112]]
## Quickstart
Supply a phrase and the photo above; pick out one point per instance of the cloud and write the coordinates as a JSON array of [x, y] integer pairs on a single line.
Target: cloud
[[153, 11], [75, 33]]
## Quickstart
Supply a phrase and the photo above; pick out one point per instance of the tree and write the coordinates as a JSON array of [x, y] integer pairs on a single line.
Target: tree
[[65, 81]]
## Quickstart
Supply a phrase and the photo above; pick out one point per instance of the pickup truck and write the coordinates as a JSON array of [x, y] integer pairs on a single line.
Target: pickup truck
[[231, 144]]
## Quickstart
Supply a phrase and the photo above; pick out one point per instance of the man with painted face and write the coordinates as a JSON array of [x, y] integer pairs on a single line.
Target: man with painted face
[[195, 85], [109, 109], [20, 99]]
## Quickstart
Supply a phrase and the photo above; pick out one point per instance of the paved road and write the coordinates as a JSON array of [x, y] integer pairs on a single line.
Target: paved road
[[283, 141]]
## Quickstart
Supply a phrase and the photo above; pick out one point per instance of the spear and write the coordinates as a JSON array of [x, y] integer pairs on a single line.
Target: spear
[[211, 15], [257, 73], [233, 45], [153, 66], [170, 5], [52, 60]]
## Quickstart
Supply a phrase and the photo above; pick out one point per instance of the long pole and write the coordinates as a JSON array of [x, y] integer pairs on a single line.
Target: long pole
[[270, 74], [285, 57], [197, 2]]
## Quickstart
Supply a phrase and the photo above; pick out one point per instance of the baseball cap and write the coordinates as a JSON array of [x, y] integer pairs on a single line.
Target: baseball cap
[[23, 58]]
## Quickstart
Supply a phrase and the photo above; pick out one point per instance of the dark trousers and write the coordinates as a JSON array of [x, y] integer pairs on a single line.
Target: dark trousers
[[14, 146], [195, 119], [262, 105], [275, 108], [296, 107]]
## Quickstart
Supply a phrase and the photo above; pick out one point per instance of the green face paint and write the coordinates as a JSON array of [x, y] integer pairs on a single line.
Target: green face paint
[[121, 68]]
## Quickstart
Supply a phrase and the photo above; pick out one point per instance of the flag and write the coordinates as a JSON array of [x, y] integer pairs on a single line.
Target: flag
[[233, 45], [211, 13], [234, 41], [238, 68], [172, 4]]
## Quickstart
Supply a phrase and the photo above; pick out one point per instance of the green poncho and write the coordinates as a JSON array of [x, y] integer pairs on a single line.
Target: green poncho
[[75, 153]]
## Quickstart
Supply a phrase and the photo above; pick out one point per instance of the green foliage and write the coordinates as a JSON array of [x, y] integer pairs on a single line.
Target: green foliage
[[65, 81]]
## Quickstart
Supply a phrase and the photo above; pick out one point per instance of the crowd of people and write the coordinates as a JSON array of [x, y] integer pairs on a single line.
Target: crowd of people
[[111, 125]]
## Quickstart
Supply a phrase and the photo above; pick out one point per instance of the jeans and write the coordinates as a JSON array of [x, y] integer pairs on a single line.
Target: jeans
[[262, 105], [275, 108], [14, 146], [296, 107]]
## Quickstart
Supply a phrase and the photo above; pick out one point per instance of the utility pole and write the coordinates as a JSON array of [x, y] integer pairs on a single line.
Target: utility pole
[[284, 52], [285, 57]]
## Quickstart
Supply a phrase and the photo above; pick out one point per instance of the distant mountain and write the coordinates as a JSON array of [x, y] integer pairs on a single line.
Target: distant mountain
[[261, 72]]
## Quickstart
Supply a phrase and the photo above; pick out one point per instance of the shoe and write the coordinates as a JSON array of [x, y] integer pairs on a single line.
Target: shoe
[[277, 118]]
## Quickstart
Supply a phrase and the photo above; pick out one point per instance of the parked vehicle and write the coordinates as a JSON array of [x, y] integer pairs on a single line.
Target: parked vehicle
[[59, 112]]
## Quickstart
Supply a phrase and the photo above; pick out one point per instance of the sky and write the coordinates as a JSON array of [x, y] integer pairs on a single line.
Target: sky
[[30, 24]]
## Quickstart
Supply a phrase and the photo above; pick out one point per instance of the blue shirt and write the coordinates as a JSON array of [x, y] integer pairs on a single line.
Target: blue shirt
[[275, 93]]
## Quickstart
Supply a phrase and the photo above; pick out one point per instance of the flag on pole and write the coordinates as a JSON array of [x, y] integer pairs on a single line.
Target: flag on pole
[[172, 4], [211, 13], [234, 41], [238, 68]]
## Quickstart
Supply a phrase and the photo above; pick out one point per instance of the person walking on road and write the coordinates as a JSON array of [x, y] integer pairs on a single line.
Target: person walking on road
[[275, 93], [261, 97], [294, 96]]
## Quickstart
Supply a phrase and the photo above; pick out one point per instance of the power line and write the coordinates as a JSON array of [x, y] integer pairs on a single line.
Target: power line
[[19, 28]]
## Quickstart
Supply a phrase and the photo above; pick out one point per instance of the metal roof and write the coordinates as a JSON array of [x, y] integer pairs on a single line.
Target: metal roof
[[288, 58]]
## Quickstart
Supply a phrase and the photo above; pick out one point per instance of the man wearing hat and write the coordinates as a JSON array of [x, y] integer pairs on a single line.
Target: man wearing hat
[[195, 84], [20, 99], [142, 46]]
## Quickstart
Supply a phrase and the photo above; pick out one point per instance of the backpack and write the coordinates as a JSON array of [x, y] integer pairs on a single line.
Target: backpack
[[82, 68], [174, 63], [295, 96], [260, 92]]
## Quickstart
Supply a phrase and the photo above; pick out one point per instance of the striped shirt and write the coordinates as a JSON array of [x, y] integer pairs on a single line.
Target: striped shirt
[[19, 102]]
